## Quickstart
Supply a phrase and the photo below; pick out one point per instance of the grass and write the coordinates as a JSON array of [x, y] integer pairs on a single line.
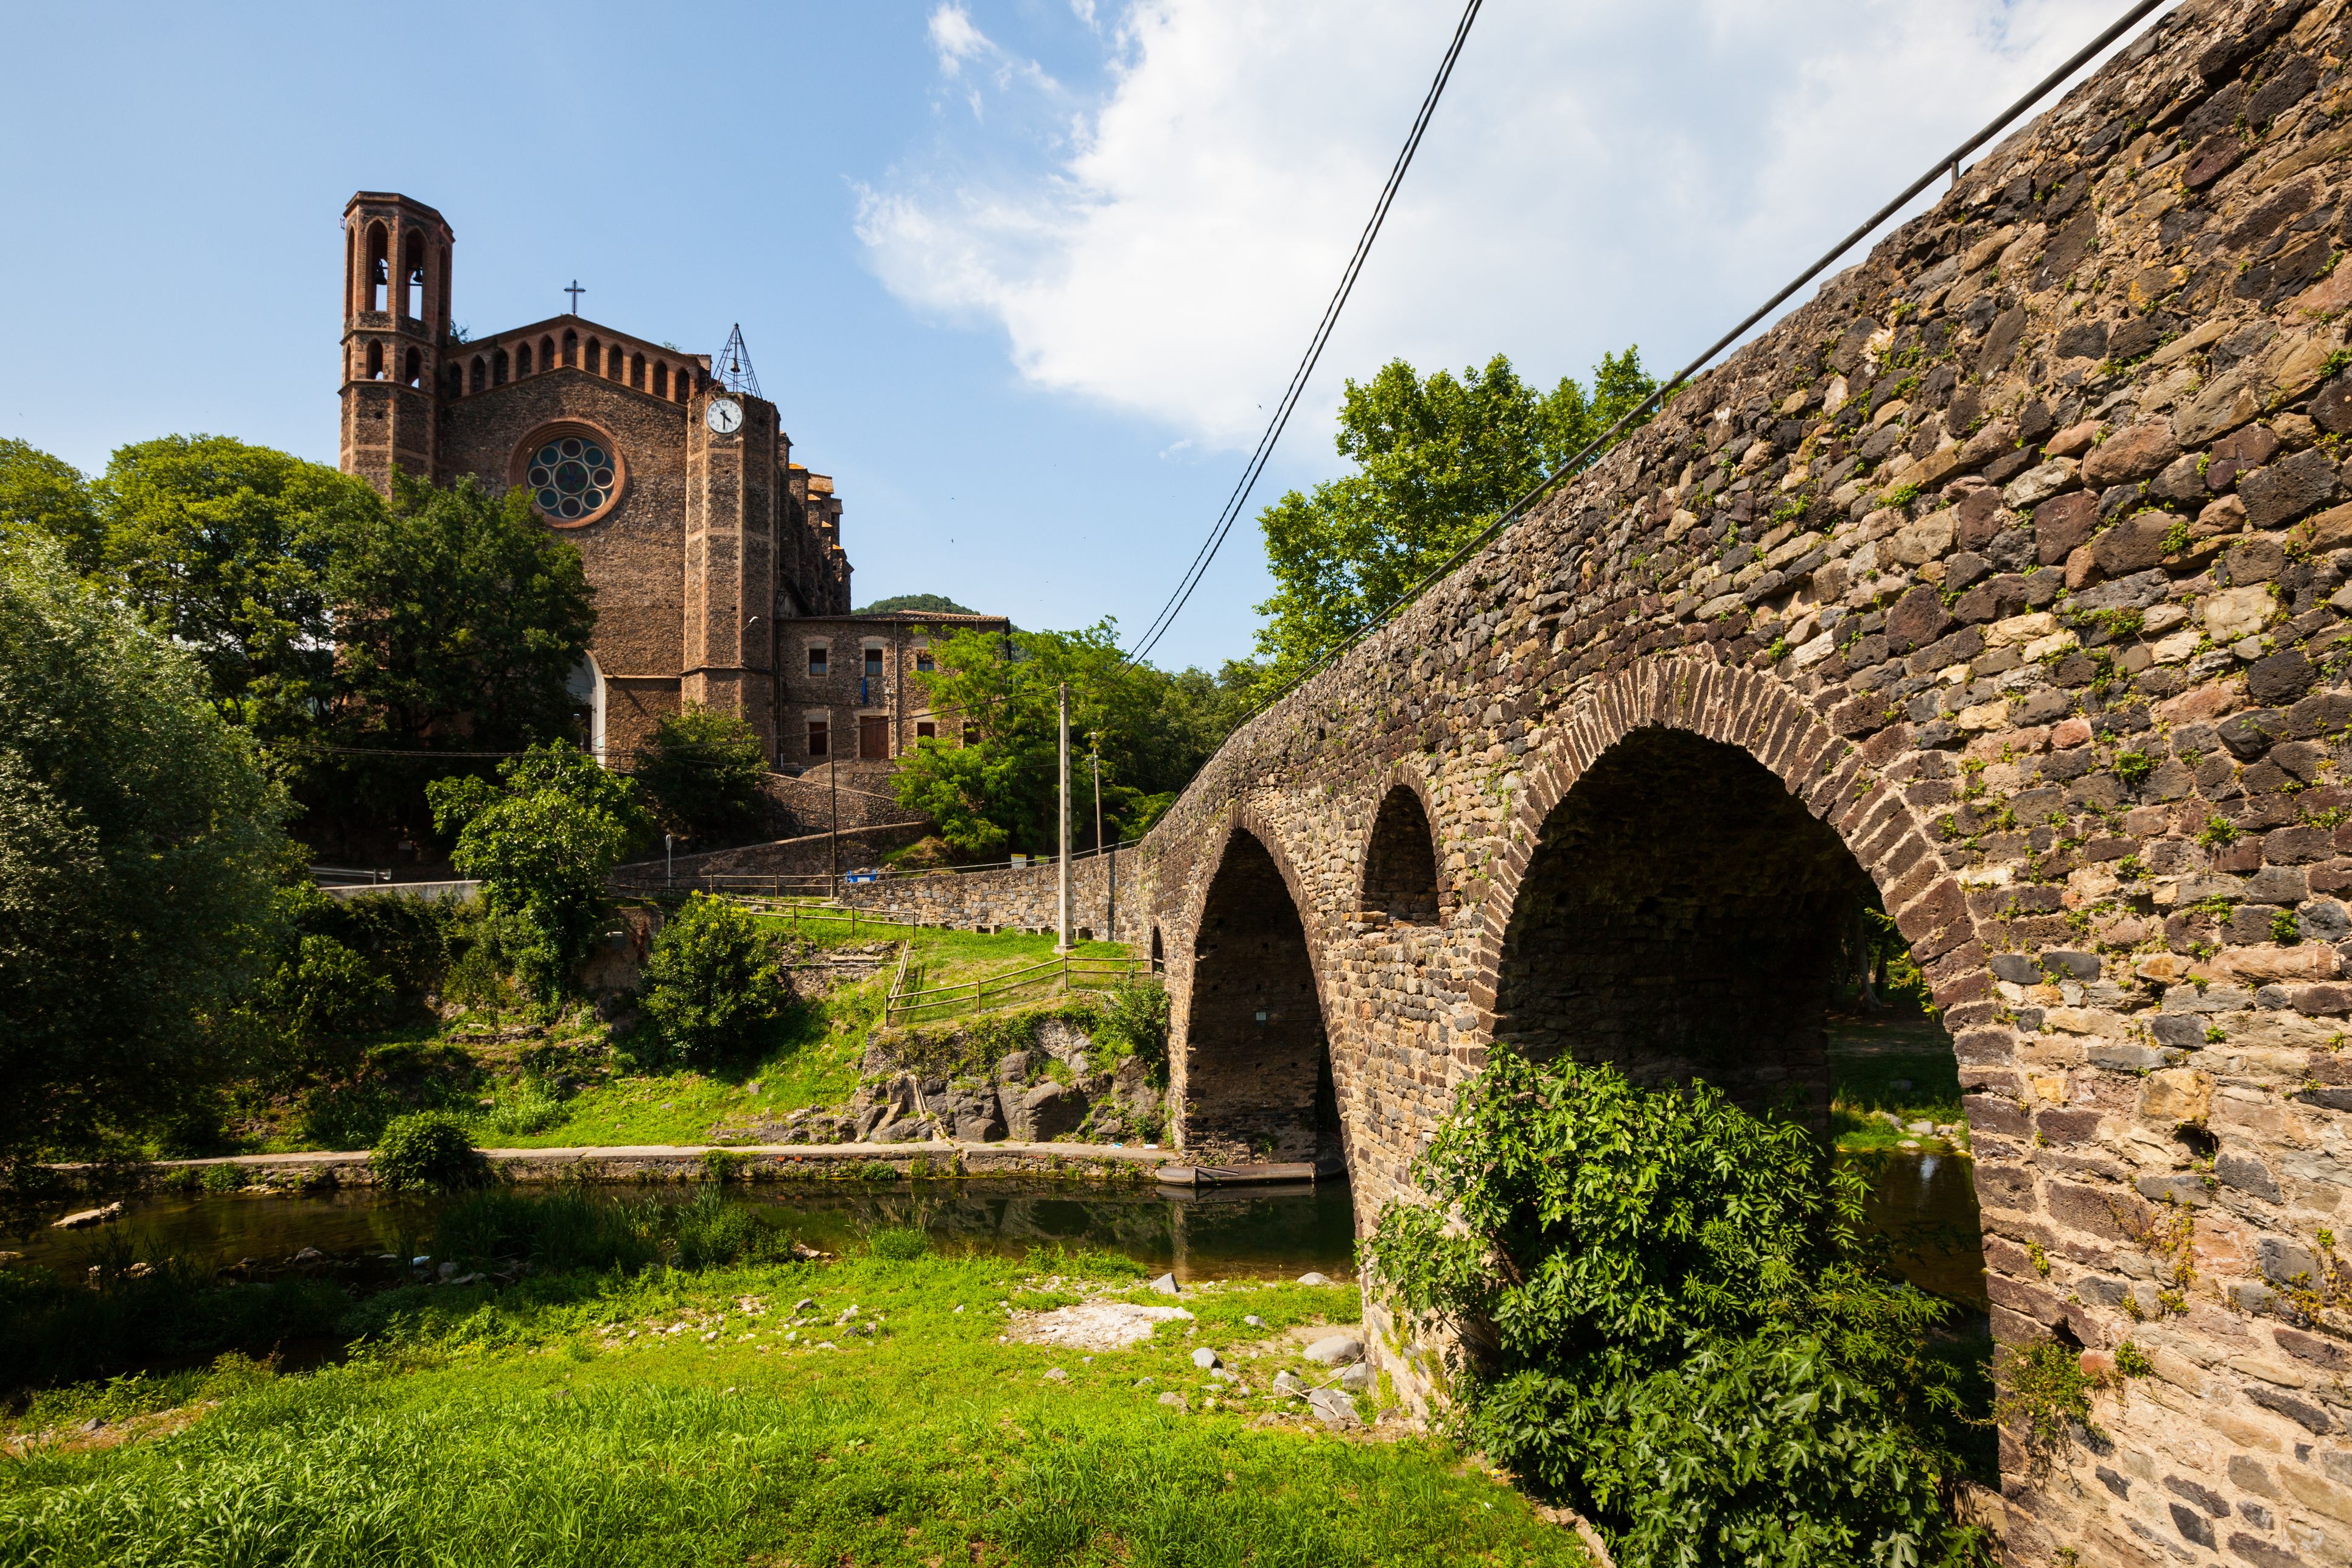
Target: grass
[[1893, 1062], [677, 1417]]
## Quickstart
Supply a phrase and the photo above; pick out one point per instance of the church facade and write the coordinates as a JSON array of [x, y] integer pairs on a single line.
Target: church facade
[[717, 560]]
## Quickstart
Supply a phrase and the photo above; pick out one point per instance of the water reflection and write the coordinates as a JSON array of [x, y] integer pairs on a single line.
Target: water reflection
[[1925, 1204]]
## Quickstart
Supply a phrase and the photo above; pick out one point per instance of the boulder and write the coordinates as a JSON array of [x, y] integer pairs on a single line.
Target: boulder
[[81, 1218], [1334, 1409], [969, 1112], [1165, 1285], [1205, 1359], [1358, 1379], [1336, 1350], [1046, 1112]]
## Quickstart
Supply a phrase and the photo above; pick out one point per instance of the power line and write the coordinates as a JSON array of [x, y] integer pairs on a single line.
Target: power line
[[1949, 162], [1239, 500]]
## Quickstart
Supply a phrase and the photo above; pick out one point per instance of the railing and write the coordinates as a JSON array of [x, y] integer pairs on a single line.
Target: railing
[[1056, 976], [323, 875]]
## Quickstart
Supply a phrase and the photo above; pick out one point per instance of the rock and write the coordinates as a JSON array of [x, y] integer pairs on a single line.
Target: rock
[[2235, 613], [971, 1112], [1288, 1384], [1336, 1350], [81, 1218], [1358, 1379], [2039, 484], [448, 1271], [1921, 1128], [1179, 1401], [1046, 1113], [1334, 1409], [2176, 1095], [2132, 453], [1254, 1322], [1093, 1325], [1166, 1285], [1055, 1375], [1204, 1358], [1312, 1278], [309, 1254]]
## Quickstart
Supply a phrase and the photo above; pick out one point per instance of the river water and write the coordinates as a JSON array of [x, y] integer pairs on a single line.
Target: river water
[[1925, 1204]]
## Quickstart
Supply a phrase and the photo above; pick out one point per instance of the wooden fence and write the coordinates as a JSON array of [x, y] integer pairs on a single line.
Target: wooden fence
[[1056, 976]]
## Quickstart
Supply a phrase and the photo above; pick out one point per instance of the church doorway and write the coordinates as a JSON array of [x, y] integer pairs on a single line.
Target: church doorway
[[586, 687], [872, 737]]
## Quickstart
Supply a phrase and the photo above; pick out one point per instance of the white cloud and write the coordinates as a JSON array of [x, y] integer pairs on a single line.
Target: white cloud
[[1596, 175]]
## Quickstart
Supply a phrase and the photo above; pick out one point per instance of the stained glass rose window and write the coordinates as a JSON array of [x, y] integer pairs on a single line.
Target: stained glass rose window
[[572, 476]]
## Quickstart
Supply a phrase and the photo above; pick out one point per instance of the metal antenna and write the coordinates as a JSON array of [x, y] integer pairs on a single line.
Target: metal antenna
[[731, 366]]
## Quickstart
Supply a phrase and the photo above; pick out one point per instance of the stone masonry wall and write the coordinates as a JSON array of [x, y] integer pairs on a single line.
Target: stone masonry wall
[[1026, 900], [2018, 558]]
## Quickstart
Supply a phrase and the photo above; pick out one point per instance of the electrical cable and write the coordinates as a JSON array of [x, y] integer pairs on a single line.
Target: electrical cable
[[1950, 162], [1239, 500]]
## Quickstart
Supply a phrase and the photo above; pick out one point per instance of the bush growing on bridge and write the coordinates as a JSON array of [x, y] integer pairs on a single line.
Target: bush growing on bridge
[[1669, 1319]]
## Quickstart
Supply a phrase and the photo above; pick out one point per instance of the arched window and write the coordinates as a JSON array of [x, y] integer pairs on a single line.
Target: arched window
[[481, 373], [375, 362], [637, 372], [522, 359], [661, 381], [411, 275], [678, 387], [570, 348], [595, 362], [441, 276], [379, 267], [612, 368], [351, 269], [413, 375], [498, 365], [455, 381], [547, 353], [1401, 861]]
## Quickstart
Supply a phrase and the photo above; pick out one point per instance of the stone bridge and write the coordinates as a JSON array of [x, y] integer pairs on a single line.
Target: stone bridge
[[2005, 580]]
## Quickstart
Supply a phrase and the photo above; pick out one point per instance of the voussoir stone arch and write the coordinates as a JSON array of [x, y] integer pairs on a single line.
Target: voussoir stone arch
[[1414, 781], [1834, 779]]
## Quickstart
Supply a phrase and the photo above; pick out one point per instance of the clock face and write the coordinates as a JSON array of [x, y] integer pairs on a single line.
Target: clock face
[[725, 416]]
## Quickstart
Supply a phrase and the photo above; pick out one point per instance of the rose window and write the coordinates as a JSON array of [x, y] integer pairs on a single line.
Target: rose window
[[572, 476]]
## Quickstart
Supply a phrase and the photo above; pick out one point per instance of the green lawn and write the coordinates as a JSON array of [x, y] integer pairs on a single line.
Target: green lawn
[[1892, 1062], [684, 1419]]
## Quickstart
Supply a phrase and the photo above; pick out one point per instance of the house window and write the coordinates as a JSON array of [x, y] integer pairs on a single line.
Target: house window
[[816, 660], [923, 661], [970, 734], [819, 738], [925, 730], [872, 664]]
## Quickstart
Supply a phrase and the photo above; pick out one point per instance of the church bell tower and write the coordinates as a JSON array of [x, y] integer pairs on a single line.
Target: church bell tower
[[396, 322]]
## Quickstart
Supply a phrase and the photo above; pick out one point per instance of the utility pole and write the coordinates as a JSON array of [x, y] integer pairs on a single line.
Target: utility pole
[[1062, 944], [833, 840], [1108, 854]]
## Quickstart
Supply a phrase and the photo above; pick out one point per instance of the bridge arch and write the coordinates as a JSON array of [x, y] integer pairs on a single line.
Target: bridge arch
[[1254, 1075]]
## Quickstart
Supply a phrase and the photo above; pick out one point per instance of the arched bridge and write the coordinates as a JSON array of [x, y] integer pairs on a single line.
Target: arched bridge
[[2006, 580]]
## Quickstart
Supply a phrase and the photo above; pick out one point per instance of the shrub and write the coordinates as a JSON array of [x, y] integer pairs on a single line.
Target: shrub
[[426, 1150], [897, 1242], [554, 1231], [524, 1107], [709, 983], [702, 770], [710, 1231], [1672, 1323], [325, 988], [1134, 1022]]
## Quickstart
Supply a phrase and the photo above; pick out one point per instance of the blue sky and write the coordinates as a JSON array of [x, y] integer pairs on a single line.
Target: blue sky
[[1020, 275]]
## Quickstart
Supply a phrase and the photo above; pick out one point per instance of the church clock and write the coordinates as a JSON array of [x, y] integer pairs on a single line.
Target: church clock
[[725, 416]]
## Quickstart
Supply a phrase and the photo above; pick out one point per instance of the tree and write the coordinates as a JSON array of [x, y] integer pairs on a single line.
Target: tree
[[710, 982], [46, 497], [140, 856], [543, 841], [927, 603], [990, 781], [459, 620], [1436, 460], [225, 547], [1667, 1315], [702, 773]]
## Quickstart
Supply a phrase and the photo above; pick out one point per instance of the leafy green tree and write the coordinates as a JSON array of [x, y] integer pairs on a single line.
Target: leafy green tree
[[543, 841], [459, 619], [227, 547], [991, 782], [141, 854], [702, 773], [709, 983], [47, 496], [1436, 460], [1668, 1317], [930, 604]]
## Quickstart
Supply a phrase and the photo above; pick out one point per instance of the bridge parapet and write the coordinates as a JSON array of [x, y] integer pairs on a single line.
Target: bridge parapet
[[2017, 559]]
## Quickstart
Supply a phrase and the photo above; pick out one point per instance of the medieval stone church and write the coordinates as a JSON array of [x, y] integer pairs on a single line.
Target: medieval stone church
[[720, 575]]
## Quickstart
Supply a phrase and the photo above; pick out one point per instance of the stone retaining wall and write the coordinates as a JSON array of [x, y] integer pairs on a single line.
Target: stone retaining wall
[[2017, 559], [1026, 900]]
